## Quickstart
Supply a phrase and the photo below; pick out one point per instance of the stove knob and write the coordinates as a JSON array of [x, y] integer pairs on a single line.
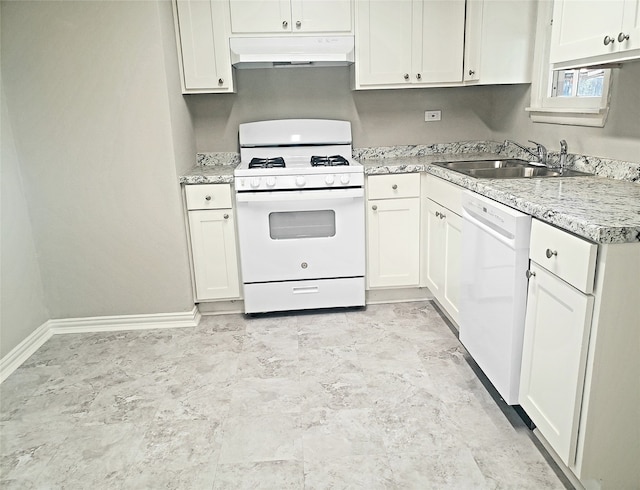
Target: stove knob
[[329, 179], [300, 182], [255, 182], [271, 181], [345, 179]]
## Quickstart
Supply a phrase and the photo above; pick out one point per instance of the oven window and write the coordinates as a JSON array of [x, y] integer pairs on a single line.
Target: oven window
[[302, 224]]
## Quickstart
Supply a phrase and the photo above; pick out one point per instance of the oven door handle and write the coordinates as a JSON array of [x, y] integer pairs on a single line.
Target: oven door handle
[[301, 195]]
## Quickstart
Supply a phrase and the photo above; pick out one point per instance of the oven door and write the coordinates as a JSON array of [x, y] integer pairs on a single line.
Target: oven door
[[306, 234]]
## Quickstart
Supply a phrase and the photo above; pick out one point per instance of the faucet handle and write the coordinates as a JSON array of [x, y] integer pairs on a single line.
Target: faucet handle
[[542, 151], [563, 146]]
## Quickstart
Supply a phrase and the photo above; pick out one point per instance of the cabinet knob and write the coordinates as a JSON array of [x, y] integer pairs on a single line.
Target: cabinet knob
[[298, 24], [406, 76], [285, 24], [550, 253], [374, 207], [443, 216], [419, 76], [225, 216], [437, 214], [220, 81], [623, 37], [207, 198], [471, 73], [608, 40], [529, 274], [394, 186]]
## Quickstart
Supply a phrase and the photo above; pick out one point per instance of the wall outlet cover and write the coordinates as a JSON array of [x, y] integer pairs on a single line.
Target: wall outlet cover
[[432, 116]]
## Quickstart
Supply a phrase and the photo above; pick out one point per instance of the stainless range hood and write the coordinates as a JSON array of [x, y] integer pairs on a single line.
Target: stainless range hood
[[267, 52]]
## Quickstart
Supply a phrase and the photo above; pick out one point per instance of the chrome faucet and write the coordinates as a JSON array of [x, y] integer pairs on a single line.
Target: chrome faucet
[[563, 155], [540, 152]]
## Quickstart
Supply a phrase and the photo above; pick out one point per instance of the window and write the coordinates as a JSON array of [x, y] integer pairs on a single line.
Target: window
[[583, 82], [578, 97]]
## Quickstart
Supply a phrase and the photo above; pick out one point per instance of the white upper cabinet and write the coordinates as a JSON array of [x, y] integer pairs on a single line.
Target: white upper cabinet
[[290, 16], [402, 43], [588, 32], [202, 33], [499, 41]]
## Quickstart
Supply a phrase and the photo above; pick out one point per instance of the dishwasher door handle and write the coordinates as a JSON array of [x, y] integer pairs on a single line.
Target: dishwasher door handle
[[507, 239]]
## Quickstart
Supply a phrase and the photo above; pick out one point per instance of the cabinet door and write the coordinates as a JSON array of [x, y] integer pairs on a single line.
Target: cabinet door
[[443, 256], [630, 25], [321, 15], [213, 248], [204, 53], [438, 40], [393, 239], [579, 28], [450, 299], [499, 41], [383, 42], [435, 249], [556, 337], [260, 16]]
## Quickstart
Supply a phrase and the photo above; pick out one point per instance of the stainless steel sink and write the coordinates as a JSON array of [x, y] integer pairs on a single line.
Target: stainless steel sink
[[482, 164], [506, 169]]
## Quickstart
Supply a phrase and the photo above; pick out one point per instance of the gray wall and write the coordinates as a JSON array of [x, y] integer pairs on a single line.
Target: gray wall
[[98, 126], [396, 117], [22, 305], [379, 117]]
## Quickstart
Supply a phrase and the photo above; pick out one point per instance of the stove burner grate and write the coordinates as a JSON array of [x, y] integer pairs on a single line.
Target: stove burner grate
[[267, 162], [325, 161]]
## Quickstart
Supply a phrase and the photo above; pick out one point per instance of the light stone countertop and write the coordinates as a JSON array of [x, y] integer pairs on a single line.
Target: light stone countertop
[[600, 209]]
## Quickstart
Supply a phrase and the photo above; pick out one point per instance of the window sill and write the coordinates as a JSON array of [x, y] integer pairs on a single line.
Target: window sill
[[582, 117]]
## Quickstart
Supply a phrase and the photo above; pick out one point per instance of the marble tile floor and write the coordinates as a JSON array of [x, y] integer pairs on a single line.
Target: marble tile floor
[[382, 397]]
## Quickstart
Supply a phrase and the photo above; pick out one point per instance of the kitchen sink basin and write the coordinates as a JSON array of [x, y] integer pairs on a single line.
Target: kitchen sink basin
[[506, 169], [482, 164]]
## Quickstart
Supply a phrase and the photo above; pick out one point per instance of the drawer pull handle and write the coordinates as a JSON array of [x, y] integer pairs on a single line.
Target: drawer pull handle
[[529, 274], [394, 186], [207, 198], [550, 253], [374, 207], [226, 216]]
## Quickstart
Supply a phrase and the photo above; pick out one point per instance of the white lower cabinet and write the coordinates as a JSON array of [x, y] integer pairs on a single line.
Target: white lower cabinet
[[555, 345], [213, 242], [443, 243], [580, 378], [393, 231], [443, 255]]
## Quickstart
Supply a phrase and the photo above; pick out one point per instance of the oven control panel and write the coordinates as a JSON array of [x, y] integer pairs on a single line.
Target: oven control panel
[[323, 181]]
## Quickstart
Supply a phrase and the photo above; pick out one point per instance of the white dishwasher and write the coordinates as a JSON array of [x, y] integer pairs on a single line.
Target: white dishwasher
[[493, 293]]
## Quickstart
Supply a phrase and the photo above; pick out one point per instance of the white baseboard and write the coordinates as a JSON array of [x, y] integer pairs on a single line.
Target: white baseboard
[[20, 353]]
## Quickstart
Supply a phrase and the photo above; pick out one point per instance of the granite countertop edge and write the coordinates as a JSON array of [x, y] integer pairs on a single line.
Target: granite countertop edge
[[585, 223]]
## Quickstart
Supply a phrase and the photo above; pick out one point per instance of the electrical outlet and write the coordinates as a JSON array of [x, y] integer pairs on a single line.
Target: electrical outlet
[[432, 116]]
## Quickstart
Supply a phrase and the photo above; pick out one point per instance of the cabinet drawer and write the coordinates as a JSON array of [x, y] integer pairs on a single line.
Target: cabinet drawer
[[571, 258], [392, 186], [444, 193], [208, 196]]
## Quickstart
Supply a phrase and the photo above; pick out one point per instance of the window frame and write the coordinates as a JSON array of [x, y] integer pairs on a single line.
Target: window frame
[[576, 111]]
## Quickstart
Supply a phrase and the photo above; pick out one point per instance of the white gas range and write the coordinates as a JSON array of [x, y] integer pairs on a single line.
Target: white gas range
[[300, 212]]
